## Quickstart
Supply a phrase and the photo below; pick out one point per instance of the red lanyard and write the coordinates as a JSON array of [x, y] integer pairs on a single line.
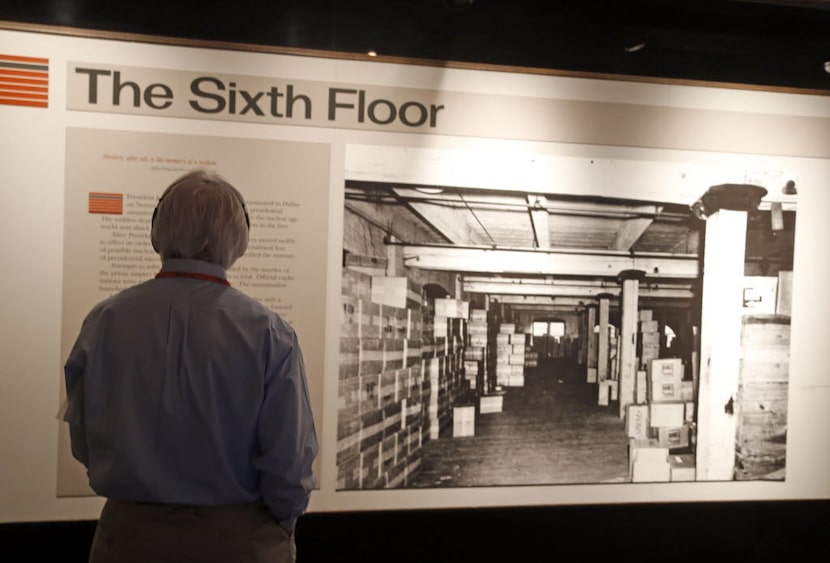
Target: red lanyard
[[205, 277]]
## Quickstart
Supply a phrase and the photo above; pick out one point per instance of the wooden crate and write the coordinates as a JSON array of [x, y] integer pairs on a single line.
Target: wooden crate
[[761, 401]]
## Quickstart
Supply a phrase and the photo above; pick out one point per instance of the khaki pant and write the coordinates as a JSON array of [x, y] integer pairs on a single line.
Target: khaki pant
[[130, 532]]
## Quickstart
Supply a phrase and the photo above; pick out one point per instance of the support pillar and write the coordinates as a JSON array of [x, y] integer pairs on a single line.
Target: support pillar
[[725, 210], [582, 336], [630, 280], [602, 340], [392, 257], [591, 343]]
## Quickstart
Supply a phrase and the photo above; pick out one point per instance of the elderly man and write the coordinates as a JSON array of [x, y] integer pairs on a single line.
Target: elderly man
[[188, 401]]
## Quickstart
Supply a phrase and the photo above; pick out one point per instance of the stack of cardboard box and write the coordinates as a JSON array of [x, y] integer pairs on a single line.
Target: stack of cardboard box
[[510, 356], [659, 429], [475, 351], [648, 337]]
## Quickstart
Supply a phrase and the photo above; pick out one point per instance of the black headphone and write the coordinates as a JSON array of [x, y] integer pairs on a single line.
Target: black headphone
[[156, 212]]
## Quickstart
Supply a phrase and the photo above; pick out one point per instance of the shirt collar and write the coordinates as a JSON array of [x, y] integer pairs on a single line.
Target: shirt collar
[[189, 266]]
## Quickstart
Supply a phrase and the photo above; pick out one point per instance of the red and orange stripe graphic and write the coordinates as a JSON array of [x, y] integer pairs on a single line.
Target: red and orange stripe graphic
[[103, 202], [24, 81]]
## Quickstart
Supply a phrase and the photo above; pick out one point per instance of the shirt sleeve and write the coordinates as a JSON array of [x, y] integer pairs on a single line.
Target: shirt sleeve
[[74, 370], [287, 437]]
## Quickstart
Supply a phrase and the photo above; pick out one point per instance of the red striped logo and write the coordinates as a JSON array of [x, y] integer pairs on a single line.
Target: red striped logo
[[24, 81], [110, 203]]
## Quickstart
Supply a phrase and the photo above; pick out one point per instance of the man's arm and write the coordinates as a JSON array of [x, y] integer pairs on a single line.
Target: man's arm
[[287, 436], [74, 415]]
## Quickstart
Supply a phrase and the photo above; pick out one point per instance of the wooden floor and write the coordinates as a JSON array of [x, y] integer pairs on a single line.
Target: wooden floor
[[551, 431]]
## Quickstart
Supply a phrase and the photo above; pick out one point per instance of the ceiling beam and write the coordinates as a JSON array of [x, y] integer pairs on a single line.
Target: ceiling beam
[[563, 263], [444, 220], [539, 221], [535, 302], [630, 232], [679, 291]]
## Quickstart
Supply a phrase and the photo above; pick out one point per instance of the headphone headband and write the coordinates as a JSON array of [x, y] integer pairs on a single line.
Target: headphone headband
[[156, 211]]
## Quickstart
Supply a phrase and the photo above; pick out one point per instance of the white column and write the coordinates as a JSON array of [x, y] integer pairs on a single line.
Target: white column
[[720, 331], [591, 343], [602, 340], [628, 337]]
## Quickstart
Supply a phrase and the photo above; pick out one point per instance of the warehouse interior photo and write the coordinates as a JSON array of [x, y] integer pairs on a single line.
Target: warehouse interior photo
[[471, 352]]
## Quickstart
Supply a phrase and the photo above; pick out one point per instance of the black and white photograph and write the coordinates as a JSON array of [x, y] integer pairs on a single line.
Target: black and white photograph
[[498, 338]]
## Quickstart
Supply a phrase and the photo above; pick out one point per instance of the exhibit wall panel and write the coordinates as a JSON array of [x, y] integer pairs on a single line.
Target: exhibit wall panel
[[121, 119]]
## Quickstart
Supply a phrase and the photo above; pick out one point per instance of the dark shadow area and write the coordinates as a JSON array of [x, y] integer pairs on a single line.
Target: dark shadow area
[[780, 44], [728, 531]]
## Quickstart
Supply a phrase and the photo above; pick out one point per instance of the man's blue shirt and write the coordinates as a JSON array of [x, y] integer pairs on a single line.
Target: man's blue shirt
[[186, 391]]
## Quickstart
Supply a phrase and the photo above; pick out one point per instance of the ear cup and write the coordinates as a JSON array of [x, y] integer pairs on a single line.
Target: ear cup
[[152, 223]]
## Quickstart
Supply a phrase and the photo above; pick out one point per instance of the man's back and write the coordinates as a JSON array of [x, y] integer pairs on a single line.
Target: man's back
[[173, 385]]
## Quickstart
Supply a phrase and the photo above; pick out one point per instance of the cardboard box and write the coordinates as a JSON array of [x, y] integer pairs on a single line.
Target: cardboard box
[[478, 315], [516, 380], [689, 411], [518, 339], [649, 352], [687, 391], [649, 326], [648, 461], [644, 315], [640, 387], [760, 295], [516, 359], [470, 367], [666, 415], [662, 391], [682, 467], [649, 339], [664, 376], [490, 403], [507, 328], [650, 471], [478, 340], [636, 421], [592, 375], [463, 421], [452, 308], [398, 292], [604, 392], [673, 438], [665, 368], [474, 353]]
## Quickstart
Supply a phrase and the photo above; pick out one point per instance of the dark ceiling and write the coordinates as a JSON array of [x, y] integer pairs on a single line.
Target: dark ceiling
[[772, 43]]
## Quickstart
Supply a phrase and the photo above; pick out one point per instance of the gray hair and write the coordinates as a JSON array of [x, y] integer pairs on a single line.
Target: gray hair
[[202, 217]]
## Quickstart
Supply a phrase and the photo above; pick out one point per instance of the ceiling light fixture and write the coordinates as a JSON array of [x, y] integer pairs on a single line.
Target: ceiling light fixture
[[827, 67], [429, 191], [636, 47]]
